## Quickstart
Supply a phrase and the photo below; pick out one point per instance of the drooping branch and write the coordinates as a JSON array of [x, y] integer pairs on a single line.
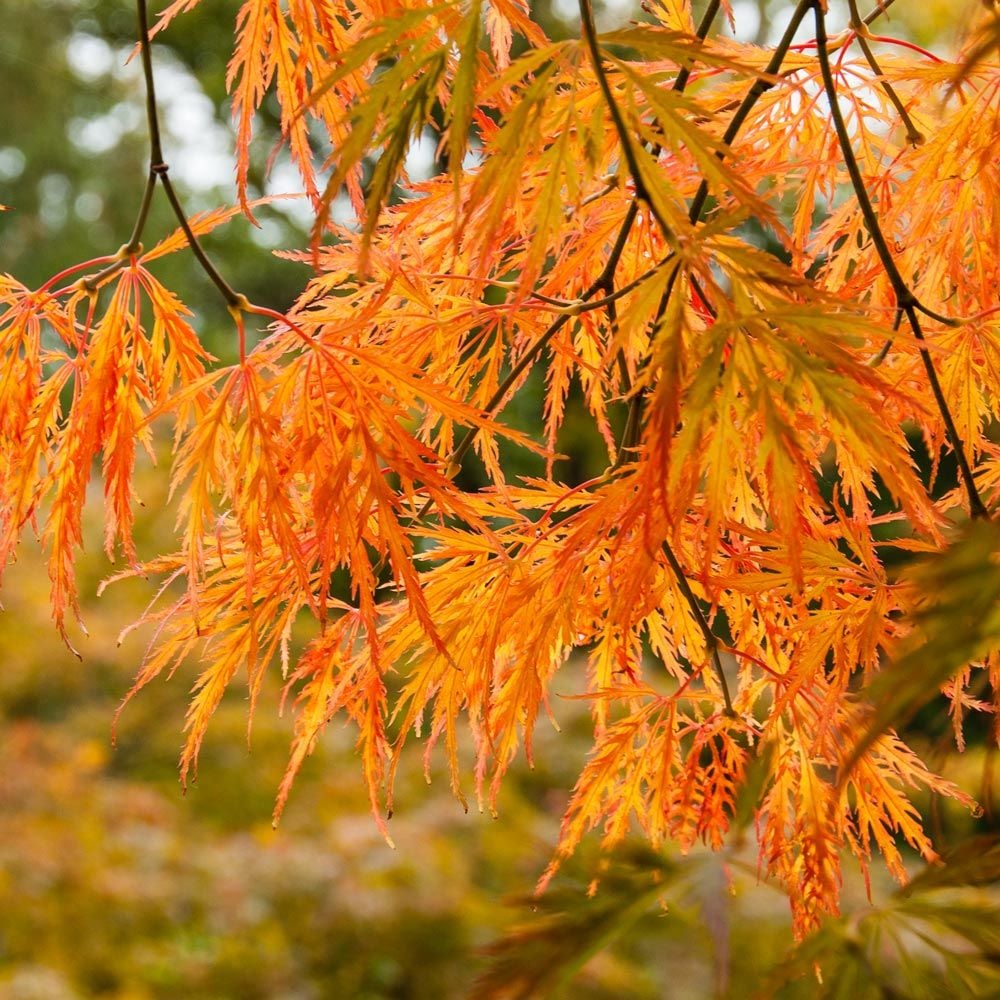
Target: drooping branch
[[711, 639], [625, 138], [877, 11], [159, 172], [905, 299], [642, 194], [603, 282], [158, 168], [760, 87]]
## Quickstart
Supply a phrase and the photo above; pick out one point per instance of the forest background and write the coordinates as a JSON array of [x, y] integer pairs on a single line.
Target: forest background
[[112, 883]]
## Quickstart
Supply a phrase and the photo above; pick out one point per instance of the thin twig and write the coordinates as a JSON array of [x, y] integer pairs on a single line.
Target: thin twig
[[159, 168], [135, 240], [158, 171], [977, 508], [134, 244], [578, 306], [624, 136], [876, 12], [642, 193], [905, 299], [711, 640], [604, 281], [887, 346], [152, 116], [233, 298], [913, 134], [760, 87], [454, 460]]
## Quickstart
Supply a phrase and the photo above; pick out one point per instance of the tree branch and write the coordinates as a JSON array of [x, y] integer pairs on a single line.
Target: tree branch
[[711, 640], [624, 136], [759, 88], [913, 134], [905, 298], [604, 281]]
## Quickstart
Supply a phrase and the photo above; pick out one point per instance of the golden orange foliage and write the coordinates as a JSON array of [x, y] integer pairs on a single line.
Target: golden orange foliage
[[724, 580]]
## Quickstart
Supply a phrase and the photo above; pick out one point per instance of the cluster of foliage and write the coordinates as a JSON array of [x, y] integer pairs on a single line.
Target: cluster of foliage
[[729, 573]]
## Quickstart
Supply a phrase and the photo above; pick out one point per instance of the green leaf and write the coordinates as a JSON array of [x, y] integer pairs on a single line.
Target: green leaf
[[415, 106], [974, 862], [569, 926], [937, 938], [674, 113], [394, 107], [956, 622], [676, 46], [381, 42]]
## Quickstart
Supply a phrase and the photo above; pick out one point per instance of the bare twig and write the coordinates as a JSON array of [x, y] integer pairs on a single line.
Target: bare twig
[[711, 640], [625, 138], [159, 169], [905, 298], [913, 134]]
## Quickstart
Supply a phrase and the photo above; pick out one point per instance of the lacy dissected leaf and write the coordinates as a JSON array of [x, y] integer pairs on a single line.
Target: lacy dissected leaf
[[337, 681], [664, 766], [31, 404], [119, 371], [745, 406], [955, 168]]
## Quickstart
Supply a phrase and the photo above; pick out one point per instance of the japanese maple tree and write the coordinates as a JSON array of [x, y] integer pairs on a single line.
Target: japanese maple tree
[[725, 592]]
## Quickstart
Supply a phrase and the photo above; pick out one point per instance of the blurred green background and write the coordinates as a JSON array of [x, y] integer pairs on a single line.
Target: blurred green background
[[113, 883]]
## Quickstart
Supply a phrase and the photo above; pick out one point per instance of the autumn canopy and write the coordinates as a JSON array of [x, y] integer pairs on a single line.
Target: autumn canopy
[[770, 278]]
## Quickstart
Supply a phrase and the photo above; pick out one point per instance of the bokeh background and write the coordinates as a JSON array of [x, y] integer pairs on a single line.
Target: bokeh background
[[113, 883]]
